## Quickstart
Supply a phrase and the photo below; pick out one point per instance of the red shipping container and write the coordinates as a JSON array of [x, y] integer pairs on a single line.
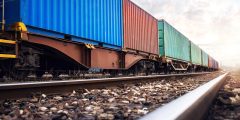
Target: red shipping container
[[140, 29], [210, 62]]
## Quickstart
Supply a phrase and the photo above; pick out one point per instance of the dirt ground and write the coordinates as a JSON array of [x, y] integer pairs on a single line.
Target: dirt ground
[[227, 104]]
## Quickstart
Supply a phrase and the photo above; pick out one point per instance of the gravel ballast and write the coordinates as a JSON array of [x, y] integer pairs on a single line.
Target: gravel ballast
[[227, 104], [128, 101]]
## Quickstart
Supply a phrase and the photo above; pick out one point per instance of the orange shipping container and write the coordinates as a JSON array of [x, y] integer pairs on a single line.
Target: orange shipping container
[[210, 62], [140, 29]]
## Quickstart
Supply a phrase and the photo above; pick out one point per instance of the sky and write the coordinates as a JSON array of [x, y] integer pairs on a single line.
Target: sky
[[214, 25]]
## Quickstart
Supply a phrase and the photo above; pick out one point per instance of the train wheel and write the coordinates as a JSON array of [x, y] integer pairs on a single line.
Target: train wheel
[[39, 74], [165, 68], [19, 75], [126, 73], [136, 71], [113, 73], [55, 74]]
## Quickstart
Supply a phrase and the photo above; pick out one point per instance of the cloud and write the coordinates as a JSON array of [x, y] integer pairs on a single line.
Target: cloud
[[213, 25]]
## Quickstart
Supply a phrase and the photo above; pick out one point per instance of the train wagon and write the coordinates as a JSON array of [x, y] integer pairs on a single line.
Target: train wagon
[[196, 54], [196, 57], [90, 21], [75, 37], [64, 35], [212, 63], [78, 36], [204, 59], [173, 46], [215, 64], [140, 29], [140, 37]]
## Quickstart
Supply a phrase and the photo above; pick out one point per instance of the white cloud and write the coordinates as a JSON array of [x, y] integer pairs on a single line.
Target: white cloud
[[212, 24]]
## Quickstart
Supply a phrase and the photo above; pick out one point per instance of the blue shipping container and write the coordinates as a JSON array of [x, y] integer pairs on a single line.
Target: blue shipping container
[[92, 21]]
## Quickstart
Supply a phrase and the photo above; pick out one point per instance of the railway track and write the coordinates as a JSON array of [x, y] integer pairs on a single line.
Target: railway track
[[26, 89], [193, 105], [131, 98]]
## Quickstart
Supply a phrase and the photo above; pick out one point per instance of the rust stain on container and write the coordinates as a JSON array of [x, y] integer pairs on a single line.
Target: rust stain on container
[[140, 29]]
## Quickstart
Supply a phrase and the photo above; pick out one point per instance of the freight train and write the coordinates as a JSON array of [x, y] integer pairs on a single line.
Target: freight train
[[92, 36]]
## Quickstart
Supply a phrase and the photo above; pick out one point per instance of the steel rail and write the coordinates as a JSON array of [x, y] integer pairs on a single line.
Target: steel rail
[[17, 90], [191, 106]]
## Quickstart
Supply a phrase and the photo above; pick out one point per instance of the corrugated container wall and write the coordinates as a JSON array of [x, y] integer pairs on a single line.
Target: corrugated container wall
[[214, 64], [91, 21], [204, 59], [140, 29], [217, 65], [196, 54], [210, 62], [172, 43]]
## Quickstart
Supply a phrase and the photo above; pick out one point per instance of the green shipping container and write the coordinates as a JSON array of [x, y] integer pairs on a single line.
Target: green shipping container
[[196, 54], [172, 43], [204, 59]]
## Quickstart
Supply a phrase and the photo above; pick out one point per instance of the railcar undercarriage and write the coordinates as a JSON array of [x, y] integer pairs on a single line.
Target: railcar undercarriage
[[31, 56]]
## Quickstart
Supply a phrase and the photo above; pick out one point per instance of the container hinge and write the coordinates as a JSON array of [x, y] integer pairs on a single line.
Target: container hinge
[[152, 57], [124, 50], [90, 46], [19, 26]]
